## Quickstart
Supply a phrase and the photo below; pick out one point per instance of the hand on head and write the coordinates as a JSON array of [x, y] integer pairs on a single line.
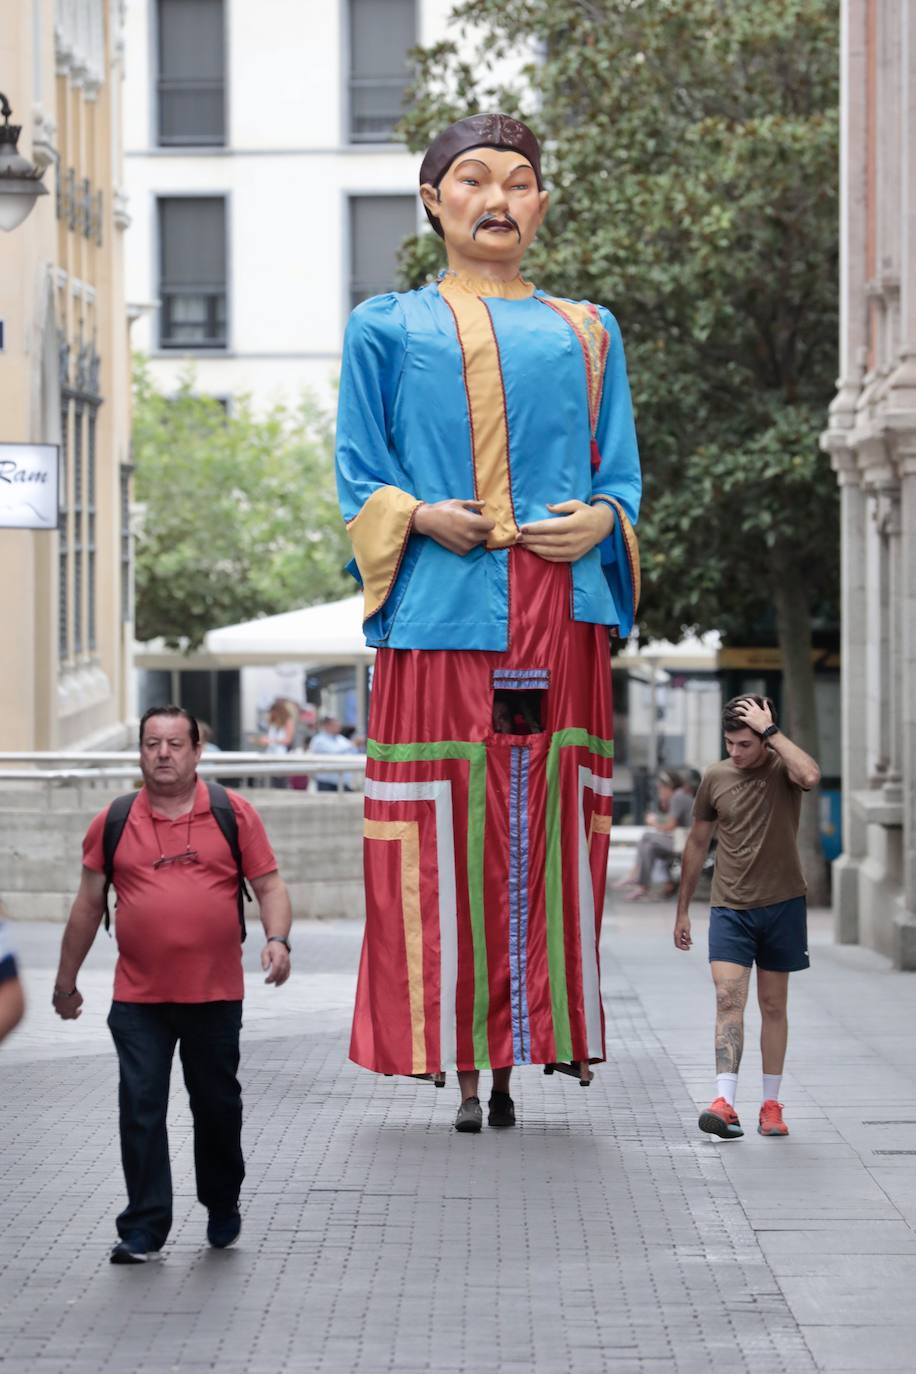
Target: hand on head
[[756, 718]]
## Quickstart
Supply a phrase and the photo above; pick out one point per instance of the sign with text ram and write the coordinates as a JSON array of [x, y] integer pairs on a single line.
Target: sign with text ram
[[28, 486]]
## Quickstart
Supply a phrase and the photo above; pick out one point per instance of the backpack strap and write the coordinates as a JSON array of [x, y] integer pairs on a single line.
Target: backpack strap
[[226, 819], [115, 821]]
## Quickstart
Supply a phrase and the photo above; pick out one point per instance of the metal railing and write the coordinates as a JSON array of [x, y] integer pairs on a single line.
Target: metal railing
[[112, 765], [105, 765]]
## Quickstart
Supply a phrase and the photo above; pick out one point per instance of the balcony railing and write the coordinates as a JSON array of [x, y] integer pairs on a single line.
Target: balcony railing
[[376, 107], [192, 318]]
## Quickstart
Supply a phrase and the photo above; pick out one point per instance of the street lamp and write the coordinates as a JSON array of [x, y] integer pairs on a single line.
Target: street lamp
[[20, 181]]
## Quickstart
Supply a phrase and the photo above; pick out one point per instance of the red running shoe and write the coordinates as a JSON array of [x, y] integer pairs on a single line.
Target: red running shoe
[[721, 1119], [771, 1122]]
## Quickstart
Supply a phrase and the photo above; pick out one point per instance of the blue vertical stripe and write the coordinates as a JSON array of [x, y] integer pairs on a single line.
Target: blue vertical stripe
[[518, 903]]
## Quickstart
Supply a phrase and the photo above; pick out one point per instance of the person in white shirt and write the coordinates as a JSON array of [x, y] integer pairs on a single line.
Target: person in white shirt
[[329, 740]]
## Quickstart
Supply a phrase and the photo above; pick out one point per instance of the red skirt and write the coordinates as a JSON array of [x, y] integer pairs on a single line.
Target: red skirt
[[487, 825]]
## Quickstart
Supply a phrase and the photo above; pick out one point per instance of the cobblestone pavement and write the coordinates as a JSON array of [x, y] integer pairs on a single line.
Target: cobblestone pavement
[[605, 1234]]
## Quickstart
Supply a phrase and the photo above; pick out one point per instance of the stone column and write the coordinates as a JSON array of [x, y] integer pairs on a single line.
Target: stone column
[[888, 519], [901, 421], [852, 691], [874, 711], [838, 440], [907, 917]]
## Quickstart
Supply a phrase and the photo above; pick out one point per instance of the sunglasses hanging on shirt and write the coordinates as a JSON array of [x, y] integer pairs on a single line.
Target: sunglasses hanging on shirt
[[190, 856]]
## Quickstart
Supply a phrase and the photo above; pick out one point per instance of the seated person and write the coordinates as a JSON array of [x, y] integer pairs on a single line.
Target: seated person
[[675, 811]]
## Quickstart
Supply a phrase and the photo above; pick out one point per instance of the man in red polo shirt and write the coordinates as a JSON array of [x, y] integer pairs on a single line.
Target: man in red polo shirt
[[178, 978]]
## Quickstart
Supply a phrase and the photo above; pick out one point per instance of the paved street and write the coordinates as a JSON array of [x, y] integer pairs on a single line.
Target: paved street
[[603, 1234]]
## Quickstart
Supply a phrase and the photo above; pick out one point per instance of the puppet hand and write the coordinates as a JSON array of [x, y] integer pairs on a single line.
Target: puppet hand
[[458, 526], [579, 530]]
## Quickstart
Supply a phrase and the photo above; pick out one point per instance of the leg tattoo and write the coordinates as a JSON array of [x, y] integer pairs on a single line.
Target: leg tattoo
[[731, 995], [729, 1045]]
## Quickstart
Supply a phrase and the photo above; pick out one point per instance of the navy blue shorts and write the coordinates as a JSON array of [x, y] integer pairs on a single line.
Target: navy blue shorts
[[775, 938]]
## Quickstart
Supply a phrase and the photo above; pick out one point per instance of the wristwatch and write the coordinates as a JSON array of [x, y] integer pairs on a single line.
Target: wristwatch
[[770, 730], [281, 940]]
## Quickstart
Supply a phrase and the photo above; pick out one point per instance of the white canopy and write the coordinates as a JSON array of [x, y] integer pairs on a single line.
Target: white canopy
[[691, 654], [332, 633]]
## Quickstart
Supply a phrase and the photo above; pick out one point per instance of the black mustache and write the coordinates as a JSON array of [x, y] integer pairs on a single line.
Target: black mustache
[[487, 218]]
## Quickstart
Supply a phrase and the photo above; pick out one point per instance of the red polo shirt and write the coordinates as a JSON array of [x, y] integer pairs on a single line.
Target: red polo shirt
[[177, 926]]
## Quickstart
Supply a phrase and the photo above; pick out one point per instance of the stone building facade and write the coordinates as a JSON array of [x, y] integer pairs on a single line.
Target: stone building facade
[[871, 439], [64, 379]]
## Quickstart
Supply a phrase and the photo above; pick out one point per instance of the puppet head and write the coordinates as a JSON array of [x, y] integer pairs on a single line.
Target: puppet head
[[500, 197]]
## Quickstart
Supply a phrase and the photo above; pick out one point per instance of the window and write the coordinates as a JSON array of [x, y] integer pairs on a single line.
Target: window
[[79, 410], [91, 566], [190, 79], [192, 272], [63, 545], [381, 34], [127, 580], [77, 578], [378, 227]]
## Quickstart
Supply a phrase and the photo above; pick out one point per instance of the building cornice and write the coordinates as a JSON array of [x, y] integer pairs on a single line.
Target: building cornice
[[842, 457], [44, 131], [79, 45], [119, 211], [902, 387], [874, 461]]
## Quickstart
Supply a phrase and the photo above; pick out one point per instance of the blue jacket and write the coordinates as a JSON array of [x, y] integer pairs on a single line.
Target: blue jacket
[[516, 398]]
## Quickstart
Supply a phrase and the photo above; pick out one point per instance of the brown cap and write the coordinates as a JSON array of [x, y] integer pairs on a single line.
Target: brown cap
[[477, 131]]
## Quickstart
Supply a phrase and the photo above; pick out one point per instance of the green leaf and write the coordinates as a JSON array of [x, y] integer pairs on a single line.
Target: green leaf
[[239, 511], [691, 151]]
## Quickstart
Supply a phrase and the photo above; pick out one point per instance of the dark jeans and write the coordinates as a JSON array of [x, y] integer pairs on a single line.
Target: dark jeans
[[145, 1036]]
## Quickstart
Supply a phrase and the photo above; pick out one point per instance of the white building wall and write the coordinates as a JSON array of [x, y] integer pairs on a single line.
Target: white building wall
[[287, 171]]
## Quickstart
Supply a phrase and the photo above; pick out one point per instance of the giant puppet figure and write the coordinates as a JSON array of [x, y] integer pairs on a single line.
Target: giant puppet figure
[[489, 476]]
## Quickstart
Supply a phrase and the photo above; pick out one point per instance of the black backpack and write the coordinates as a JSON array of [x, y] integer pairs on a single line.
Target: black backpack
[[224, 816]]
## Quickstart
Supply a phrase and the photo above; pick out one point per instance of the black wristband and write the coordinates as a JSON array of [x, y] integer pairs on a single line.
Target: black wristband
[[281, 940], [770, 730]]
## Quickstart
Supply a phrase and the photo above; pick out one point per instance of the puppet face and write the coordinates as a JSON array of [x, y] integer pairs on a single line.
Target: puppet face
[[488, 204]]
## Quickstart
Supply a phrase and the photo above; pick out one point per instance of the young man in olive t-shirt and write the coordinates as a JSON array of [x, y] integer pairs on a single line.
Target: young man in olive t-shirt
[[758, 912]]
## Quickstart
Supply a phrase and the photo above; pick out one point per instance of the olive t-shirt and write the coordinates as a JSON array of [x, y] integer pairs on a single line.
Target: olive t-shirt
[[757, 809]]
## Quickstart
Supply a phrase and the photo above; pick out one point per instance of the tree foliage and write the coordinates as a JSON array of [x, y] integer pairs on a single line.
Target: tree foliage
[[239, 512], [691, 153]]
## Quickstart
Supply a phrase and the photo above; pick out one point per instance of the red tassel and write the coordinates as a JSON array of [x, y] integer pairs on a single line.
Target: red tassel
[[596, 455]]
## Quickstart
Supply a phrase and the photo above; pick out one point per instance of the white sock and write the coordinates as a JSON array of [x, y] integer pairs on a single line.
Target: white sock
[[771, 1086], [727, 1087]]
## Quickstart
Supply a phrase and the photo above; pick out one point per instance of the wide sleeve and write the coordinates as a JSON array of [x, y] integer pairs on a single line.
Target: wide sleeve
[[374, 492], [616, 478]]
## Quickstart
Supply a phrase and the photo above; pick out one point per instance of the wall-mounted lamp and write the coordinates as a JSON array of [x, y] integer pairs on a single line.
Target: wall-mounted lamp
[[20, 181]]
